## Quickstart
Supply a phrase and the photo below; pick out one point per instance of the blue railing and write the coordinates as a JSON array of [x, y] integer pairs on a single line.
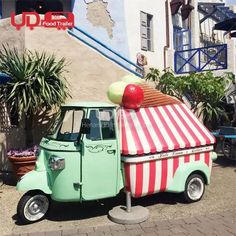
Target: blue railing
[[106, 51], [201, 59]]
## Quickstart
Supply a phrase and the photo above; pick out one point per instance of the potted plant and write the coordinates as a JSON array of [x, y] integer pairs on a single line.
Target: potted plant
[[37, 85], [23, 161]]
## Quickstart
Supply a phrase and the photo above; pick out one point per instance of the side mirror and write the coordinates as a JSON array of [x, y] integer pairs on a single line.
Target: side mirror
[[85, 126]]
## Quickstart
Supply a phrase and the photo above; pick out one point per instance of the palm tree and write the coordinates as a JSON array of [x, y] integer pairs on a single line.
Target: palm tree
[[37, 84]]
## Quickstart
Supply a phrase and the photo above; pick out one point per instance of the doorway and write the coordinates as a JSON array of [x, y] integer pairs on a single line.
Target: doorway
[[42, 6]]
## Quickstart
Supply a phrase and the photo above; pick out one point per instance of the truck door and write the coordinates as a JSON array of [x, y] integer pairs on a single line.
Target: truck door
[[100, 160]]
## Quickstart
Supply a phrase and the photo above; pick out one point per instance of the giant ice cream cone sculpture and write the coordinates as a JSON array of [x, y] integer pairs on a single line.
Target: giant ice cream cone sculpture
[[133, 93]]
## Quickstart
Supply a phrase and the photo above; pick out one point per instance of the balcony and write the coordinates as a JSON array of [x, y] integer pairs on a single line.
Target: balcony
[[201, 59]]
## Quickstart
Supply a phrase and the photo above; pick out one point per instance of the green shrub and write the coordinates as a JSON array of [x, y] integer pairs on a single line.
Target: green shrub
[[205, 91]]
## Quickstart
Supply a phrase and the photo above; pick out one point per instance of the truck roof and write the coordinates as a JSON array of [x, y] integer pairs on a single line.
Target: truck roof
[[88, 104]]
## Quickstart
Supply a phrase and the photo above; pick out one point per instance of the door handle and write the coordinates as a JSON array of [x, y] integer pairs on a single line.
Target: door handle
[[113, 151]]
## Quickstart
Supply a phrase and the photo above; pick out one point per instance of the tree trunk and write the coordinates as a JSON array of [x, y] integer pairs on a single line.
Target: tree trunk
[[29, 142]]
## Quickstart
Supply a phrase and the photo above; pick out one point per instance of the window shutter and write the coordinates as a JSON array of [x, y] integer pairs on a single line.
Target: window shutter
[[143, 30]]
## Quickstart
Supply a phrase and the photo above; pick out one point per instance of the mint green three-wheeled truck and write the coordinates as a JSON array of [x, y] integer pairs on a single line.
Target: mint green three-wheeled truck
[[83, 158]]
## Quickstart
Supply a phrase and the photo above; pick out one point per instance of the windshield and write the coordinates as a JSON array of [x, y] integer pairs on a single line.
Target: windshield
[[57, 120], [67, 125]]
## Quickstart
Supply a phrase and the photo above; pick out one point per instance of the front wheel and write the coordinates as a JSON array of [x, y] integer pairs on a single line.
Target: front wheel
[[194, 188], [32, 207]]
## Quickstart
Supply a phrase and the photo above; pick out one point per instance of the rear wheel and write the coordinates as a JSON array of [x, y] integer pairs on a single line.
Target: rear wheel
[[194, 188], [32, 207], [228, 149]]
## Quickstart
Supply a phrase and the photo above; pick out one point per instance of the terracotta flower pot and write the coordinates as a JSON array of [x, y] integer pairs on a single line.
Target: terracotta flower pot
[[22, 165]]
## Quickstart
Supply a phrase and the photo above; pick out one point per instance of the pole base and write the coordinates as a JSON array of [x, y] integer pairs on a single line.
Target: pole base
[[137, 215]]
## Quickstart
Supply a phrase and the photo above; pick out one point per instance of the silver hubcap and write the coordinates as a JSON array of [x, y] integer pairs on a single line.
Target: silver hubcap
[[195, 188], [36, 207]]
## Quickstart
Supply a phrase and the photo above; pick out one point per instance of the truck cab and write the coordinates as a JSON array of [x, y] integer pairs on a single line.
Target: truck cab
[[80, 157]]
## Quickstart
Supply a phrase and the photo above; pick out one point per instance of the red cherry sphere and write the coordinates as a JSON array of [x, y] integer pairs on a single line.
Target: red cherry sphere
[[133, 96]]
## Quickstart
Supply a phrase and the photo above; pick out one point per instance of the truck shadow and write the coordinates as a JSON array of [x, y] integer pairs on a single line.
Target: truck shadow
[[78, 211], [223, 162]]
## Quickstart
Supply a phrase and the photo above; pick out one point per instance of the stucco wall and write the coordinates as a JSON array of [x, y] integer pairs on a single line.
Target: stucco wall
[[89, 77], [9, 35], [90, 73], [132, 18], [104, 20]]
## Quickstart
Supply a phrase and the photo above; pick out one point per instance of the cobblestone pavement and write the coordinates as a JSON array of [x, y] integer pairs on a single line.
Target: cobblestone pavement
[[214, 215], [222, 224]]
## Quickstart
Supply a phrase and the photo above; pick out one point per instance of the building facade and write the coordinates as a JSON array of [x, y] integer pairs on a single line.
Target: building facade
[[156, 29], [108, 38]]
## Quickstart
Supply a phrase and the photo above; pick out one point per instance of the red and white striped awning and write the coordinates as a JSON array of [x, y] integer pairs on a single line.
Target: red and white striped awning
[[160, 129]]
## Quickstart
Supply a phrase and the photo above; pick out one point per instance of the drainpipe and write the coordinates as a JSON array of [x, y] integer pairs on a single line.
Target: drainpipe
[[0, 9], [167, 33]]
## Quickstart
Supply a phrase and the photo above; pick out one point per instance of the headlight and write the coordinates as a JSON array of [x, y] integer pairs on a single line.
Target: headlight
[[56, 163]]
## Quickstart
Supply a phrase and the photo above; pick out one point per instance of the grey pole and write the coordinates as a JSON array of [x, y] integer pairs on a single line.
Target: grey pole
[[128, 202]]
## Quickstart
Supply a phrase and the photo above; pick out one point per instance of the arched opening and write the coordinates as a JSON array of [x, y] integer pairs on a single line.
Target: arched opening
[[42, 6]]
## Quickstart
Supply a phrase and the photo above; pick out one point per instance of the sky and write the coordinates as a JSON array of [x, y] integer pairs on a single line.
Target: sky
[[232, 2]]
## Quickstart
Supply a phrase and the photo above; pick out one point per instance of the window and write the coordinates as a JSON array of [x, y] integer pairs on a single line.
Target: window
[[70, 128], [146, 32], [102, 125], [182, 39]]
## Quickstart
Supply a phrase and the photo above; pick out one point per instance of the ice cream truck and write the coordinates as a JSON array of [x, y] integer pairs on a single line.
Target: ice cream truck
[[95, 150]]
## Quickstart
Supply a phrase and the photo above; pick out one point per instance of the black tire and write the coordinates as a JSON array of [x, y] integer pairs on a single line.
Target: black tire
[[227, 147], [194, 188], [32, 207]]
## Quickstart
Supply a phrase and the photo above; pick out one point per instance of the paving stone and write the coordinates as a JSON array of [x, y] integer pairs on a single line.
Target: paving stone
[[178, 230], [107, 233], [176, 222], [102, 229], [150, 230], [36, 234], [192, 230], [133, 232], [69, 232], [203, 219], [164, 232], [231, 226], [117, 227], [134, 226], [162, 225], [150, 234], [223, 230], [147, 224], [214, 216], [24, 234], [96, 234], [205, 229], [53, 233], [191, 220], [120, 233], [81, 234], [85, 230]]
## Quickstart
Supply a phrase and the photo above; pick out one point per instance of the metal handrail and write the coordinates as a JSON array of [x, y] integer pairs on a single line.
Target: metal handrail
[[70, 31], [196, 53]]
